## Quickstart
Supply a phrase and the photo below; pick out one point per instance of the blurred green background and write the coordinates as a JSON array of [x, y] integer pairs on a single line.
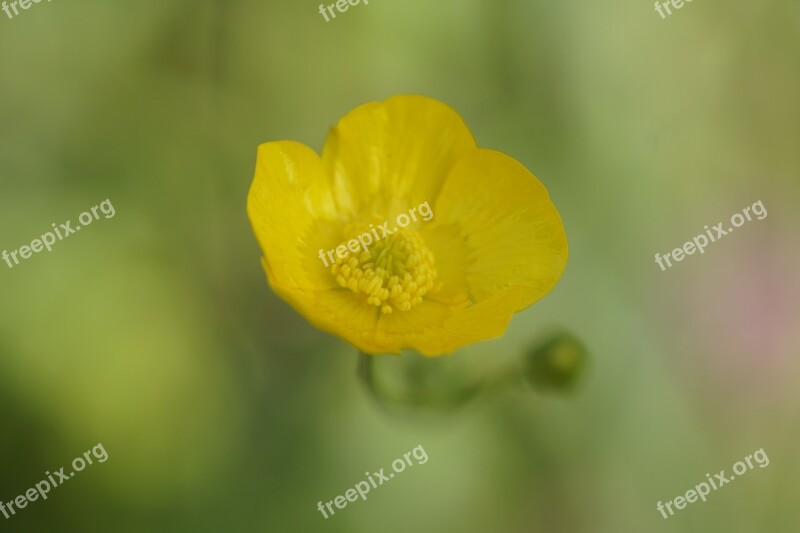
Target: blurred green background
[[221, 409]]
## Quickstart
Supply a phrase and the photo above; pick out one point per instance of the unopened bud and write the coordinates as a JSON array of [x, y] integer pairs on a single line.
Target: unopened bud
[[557, 364]]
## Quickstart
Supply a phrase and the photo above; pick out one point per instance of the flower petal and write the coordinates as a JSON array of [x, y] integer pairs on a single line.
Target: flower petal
[[338, 311], [433, 328], [293, 214], [513, 234], [386, 157]]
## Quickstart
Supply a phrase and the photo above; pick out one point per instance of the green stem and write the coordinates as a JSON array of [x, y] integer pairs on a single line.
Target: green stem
[[434, 399]]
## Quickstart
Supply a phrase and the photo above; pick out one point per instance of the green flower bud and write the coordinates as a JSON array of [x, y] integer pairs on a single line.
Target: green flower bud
[[557, 364]]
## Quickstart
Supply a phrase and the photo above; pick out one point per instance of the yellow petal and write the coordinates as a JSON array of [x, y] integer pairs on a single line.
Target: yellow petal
[[434, 329], [337, 311], [512, 234], [431, 328], [293, 213], [386, 157]]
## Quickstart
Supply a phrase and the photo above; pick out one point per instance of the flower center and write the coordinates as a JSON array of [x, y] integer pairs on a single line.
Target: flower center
[[394, 272]]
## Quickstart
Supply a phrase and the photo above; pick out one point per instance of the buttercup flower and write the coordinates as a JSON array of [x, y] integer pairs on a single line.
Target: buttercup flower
[[493, 245]]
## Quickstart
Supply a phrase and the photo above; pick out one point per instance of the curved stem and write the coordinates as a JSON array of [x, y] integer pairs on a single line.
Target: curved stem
[[388, 397]]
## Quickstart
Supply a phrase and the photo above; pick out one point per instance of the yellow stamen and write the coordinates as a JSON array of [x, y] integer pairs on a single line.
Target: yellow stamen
[[396, 272]]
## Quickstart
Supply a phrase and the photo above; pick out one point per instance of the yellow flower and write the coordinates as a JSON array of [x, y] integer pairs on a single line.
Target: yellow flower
[[494, 245]]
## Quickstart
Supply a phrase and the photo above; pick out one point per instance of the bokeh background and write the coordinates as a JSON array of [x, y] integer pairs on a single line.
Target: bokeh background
[[221, 409]]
